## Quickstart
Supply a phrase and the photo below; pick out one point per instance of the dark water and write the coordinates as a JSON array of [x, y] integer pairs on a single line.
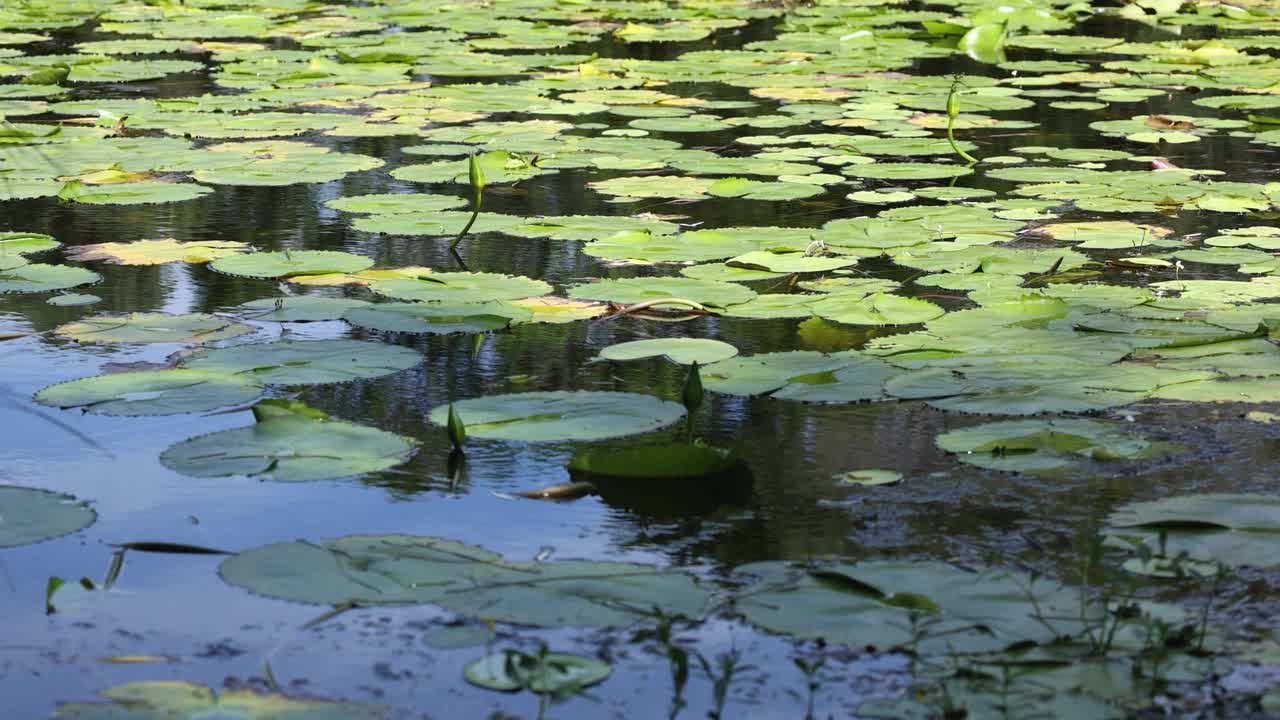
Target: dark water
[[177, 606]]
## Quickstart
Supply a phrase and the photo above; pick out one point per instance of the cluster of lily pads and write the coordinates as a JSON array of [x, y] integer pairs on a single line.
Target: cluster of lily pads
[[1040, 281]]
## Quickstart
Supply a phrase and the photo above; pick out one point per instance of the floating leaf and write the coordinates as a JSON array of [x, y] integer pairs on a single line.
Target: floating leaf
[[289, 447], [1235, 529], [1039, 446], [28, 515], [802, 376], [555, 416], [306, 362], [458, 287], [869, 478], [437, 318], [151, 392], [637, 290], [157, 252], [174, 700], [683, 351], [410, 570], [554, 673], [152, 328], [675, 460], [137, 193], [38, 277], [73, 300], [396, 203], [298, 308], [872, 603], [15, 245], [291, 263], [879, 309]]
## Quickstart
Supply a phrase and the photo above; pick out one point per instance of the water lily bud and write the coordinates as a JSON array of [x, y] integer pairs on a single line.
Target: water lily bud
[[693, 390], [475, 173], [457, 430]]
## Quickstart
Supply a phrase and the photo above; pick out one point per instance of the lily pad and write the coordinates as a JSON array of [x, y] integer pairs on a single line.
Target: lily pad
[[291, 263], [562, 415], [458, 287], [556, 672], [437, 318], [157, 252], [20, 244], [684, 351], [298, 308], [153, 328], [396, 203], [1234, 529], [73, 300], [872, 603], [306, 362], [869, 478], [28, 515], [411, 570], [638, 290], [878, 309], [38, 277], [290, 447], [151, 392], [174, 700], [1041, 446], [674, 460]]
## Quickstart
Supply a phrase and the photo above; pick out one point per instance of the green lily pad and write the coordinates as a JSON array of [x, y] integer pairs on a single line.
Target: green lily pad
[[871, 604], [437, 318], [499, 167], [684, 351], [869, 478], [637, 290], [1041, 446], [290, 447], [458, 287], [73, 300], [151, 392], [793, 262], [557, 672], [1224, 390], [673, 460], [1030, 386], [298, 308], [174, 700], [137, 193], [291, 263], [411, 570], [28, 515], [907, 171], [801, 376], [561, 415], [38, 277], [306, 362], [152, 328], [1233, 529], [396, 203], [15, 245], [878, 309]]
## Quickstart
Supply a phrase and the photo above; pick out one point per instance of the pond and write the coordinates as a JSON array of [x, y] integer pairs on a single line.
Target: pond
[[628, 359]]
